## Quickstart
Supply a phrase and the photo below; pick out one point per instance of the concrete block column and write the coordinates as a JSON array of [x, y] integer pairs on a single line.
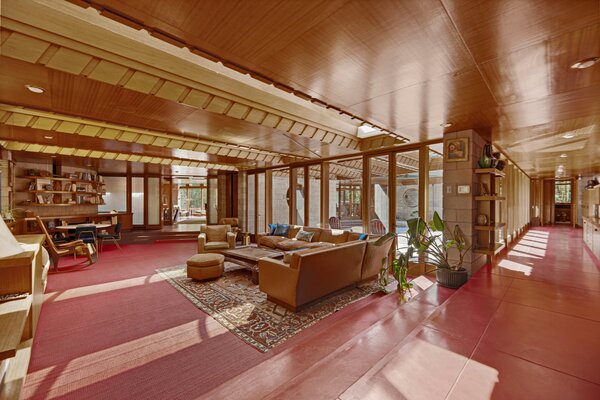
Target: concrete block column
[[461, 209]]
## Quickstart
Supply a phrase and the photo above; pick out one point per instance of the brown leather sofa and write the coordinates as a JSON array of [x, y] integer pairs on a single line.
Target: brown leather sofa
[[214, 238], [321, 238], [314, 273]]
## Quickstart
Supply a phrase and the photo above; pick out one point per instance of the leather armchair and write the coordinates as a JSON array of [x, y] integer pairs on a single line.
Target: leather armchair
[[214, 238], [233, 222]]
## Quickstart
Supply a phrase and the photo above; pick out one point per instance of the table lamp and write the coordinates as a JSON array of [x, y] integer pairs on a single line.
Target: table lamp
[[8, 244]]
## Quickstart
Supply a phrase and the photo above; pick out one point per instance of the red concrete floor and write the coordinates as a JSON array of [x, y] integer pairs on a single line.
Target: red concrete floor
[[525, 328]]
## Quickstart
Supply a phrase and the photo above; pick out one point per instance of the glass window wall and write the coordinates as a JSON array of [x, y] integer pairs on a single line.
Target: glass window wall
[[314, 187], [379, 199], [300, 196], [116, 194], [260, 186], [251, 204], [280, 195], [345, 192], [407, 192]]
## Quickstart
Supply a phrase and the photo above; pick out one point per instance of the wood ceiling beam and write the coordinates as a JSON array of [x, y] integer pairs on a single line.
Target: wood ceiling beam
[[109, 155], [179, 82], [52, 122]]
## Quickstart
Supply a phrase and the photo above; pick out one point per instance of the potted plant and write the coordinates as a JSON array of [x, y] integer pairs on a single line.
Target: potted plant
[[424, 238], [399, 267]]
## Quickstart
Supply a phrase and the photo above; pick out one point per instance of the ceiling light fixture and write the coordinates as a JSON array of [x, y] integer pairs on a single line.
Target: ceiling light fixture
[[568, 136], [446, 124], [563, 155], [35, 89], [585, 63], [48, 137]]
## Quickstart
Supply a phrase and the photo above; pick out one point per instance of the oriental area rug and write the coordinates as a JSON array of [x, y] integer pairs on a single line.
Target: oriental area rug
[[237, 304]]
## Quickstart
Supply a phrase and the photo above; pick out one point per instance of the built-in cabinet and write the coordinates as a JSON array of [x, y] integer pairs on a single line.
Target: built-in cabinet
[[22, 273], [591, 234]]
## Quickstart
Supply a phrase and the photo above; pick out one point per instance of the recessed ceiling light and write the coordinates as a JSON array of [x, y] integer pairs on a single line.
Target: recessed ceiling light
[[35, 89], [585, 63], [446, 124], [563, 155], [48, 137], [568, 135]]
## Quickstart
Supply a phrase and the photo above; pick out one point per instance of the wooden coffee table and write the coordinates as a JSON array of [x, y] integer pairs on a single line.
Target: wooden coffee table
[[248, 256]]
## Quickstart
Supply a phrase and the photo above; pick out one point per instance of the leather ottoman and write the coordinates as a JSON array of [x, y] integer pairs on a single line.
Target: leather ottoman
[[205, 266]]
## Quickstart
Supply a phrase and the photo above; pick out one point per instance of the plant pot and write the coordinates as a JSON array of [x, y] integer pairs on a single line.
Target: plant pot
[[452, 279]]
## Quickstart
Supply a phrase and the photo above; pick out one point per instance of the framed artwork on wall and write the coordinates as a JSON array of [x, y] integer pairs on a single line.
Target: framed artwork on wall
[[457, 150]]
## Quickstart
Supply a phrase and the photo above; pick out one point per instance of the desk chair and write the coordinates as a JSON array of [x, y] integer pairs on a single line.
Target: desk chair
[[115, 237]]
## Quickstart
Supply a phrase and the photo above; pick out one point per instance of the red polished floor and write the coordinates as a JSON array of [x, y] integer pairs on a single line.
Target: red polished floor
[[525, 328]]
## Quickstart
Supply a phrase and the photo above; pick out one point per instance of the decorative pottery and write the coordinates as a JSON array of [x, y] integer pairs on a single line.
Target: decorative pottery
[[452, 279], [487, 150], [493, 162], [482, 219], [500, 165], [485, 161], [496, 155]]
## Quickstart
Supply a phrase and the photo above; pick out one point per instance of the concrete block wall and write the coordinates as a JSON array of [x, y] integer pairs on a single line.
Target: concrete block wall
[[461, 209]]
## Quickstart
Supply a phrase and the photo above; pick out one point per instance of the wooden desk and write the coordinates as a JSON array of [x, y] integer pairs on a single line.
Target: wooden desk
[[73, 227]]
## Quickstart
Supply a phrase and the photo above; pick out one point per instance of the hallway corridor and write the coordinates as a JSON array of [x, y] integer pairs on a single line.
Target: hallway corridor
[[525, 328]]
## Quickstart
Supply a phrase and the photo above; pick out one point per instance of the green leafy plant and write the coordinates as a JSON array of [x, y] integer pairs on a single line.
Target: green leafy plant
[[421, 236], [421, 239], [399, 267]]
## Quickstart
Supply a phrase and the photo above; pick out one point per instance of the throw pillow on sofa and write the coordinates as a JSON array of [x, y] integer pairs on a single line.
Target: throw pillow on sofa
[[272, 228], [281, 230], [305, 236]]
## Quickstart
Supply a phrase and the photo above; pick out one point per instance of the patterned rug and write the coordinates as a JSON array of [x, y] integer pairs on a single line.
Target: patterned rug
[[237, 304]]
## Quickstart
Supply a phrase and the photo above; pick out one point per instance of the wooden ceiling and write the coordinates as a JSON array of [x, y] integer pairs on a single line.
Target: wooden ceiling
[[501, 67]]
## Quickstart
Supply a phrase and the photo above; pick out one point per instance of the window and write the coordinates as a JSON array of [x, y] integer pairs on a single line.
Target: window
[[345, 187], [314, 195], [379, 200], [213, 195], [562, 192], [407, 192], [137, 200], [116, 194], [251, 204], [280, 196], [300, 196], [436, 175], [260, 186]]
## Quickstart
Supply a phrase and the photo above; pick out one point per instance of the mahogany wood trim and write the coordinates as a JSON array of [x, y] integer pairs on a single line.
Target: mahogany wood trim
[[377, 152]]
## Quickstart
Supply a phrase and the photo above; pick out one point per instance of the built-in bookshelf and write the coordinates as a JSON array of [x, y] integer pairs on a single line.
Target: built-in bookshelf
[[74, 189], [488, 240]]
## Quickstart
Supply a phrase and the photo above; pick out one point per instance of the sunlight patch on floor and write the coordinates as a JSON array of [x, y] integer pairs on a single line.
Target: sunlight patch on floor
[[410, 373], [536, 244], [104, 364], [525, 255], [530, 250], [515, 266], [101, 288]]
